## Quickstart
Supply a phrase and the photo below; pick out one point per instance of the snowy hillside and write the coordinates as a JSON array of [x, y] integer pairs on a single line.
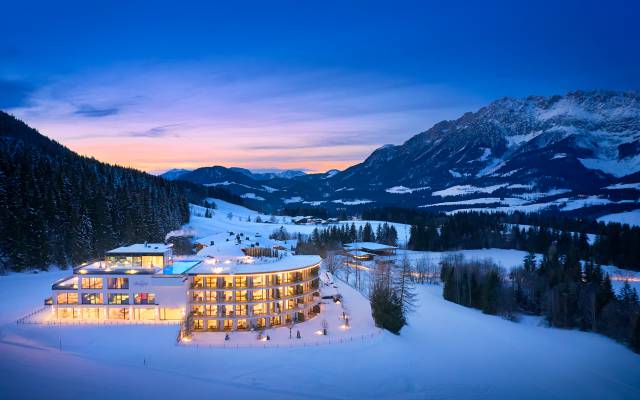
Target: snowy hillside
[[228, 217]]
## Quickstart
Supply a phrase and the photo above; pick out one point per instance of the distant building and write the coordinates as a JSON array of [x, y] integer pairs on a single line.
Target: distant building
[[378, 249]]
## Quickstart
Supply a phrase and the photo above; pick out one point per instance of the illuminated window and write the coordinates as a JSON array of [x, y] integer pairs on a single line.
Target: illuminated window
[[68, 313], [148, 314], [261, 322], [92, 283], [152, 261], [210, 297], [241, 295], [198, 324], [228, 324], [118, 283], [241, 281], [259, 295], [242, 324], [91, 313], [289, 291], [171, 313], [241, 310], [92, 298], [259, 309], [211, 281], [259, 281], [275, 321], [228, 311], [228, 281], [145, 298], [197, 310], [118, 313], [197, 297], [198, 282], [118, 298], [67, 298], [228, 296], [212, 325], [211, 310]]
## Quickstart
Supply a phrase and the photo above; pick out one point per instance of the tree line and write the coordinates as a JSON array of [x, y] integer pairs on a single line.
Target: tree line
[[614, 244], [333, 237], [557, 288]]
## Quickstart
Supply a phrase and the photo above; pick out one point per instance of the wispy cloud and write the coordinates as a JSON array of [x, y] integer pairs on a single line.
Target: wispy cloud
[[86, 110], [158, 131]]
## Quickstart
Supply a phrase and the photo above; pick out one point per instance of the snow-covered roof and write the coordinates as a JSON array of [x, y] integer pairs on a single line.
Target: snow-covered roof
[[252, 265], [142, 248], [369, 246]]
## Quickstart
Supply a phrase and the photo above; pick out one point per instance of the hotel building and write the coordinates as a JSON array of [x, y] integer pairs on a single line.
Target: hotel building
[[142, 282], [253, 293]]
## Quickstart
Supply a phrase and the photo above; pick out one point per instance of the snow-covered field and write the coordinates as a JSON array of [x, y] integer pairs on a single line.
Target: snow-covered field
[[629, 217], [447, 351]]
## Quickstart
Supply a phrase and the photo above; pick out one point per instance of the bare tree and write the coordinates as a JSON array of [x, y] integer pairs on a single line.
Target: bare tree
[[331, 261], [405, 286]]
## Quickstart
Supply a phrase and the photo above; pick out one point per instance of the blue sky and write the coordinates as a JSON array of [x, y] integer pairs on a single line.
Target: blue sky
[[313, 85]]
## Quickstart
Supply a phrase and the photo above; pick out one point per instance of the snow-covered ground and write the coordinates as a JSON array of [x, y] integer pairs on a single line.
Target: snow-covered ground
[[447, 352], [628, 217]]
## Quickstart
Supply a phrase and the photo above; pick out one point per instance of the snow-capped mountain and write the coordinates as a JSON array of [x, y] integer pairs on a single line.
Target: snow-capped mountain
[[174, 173], [564, 152]]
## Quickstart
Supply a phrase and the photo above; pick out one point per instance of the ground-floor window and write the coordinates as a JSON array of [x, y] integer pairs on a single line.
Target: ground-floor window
[[212, 325], [148, 314], [68, 313], [119, 313], [228, 324], [261, 322], [242, 324], [198, 324], [91, 313], [275, 321], [171, 313]]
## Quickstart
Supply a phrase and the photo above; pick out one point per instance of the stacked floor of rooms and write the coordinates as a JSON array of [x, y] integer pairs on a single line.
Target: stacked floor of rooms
[[143, 282]]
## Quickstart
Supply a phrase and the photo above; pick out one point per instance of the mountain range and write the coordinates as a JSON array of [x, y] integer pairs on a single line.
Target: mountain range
[[579, 151]]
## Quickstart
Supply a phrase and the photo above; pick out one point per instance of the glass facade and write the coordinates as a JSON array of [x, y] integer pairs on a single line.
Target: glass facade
[[230, 302]]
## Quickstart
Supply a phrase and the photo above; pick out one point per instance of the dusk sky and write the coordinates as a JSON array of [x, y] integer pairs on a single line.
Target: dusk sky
[[309, 85]]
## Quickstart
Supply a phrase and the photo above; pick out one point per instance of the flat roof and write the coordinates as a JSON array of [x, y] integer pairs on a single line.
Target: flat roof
[[141, 248], [369, 246], [252, 265]]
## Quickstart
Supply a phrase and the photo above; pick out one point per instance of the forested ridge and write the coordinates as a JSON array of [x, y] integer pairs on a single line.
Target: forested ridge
[[60, 208]]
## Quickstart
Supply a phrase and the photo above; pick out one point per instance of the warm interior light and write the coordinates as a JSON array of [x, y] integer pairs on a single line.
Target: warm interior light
[[131, 271], [83, 271]]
